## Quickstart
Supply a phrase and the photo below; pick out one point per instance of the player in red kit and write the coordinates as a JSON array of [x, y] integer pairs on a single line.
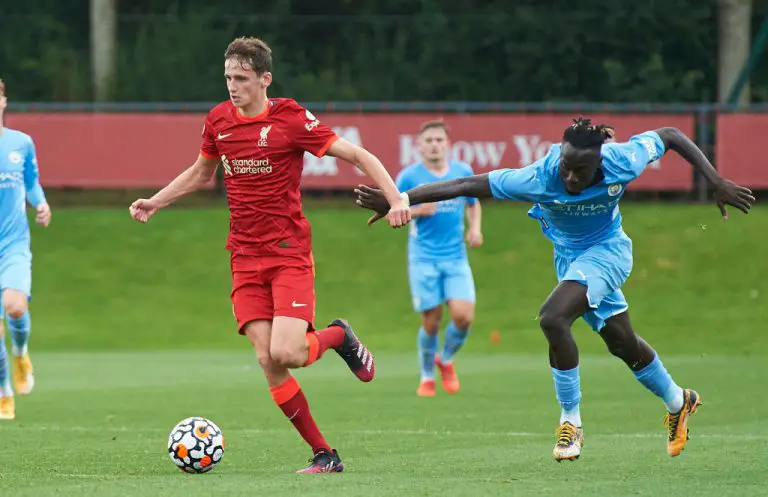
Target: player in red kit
[[260, 143]]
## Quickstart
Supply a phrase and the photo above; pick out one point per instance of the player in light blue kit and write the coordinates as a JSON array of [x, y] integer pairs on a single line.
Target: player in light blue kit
[[438, 268], [575, 190], [19, 183]]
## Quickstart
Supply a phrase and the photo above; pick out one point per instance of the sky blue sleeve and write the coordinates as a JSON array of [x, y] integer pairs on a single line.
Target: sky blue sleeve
[[629, 159], [467, 173], [35, 194], [403, 180], [525, 184]]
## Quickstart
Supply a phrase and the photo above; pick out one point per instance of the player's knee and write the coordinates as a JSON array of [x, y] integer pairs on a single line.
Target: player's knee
[[431, 327], [463, 321], [552, 324], [287, 357], [15, 308], [265, 361], [431, 322]]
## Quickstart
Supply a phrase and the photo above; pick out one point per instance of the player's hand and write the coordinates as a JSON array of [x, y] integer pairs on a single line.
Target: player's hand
[[729, 193], [43, 217], [399, 214], [142, 209], [372, 199], [474, 238]]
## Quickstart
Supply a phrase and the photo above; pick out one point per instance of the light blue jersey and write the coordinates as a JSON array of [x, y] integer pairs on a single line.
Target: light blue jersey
[[590, 244], [439, 237], [438, 269], [19, 183]]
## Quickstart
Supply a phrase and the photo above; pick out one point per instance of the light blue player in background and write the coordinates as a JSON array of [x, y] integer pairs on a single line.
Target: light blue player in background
[[19, 184], [438, 268], [575, 190]]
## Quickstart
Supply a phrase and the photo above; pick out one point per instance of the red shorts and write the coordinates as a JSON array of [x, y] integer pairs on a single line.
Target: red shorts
[[267, 286]]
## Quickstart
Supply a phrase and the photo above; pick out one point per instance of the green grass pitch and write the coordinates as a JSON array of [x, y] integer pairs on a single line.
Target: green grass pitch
[[132, 331]]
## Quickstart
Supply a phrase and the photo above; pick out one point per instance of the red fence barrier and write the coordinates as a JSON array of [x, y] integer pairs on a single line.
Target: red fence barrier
[[149, 149], [741, 148]]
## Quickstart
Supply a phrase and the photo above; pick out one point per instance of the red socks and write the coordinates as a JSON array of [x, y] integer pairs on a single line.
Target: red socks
[[291, 399], [322, 340], [293, 403]]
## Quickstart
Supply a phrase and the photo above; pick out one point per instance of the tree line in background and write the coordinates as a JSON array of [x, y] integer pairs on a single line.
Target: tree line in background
[[379, 50]]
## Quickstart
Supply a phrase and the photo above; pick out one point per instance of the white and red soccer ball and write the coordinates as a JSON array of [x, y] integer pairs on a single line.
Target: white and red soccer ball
[[196, 445]]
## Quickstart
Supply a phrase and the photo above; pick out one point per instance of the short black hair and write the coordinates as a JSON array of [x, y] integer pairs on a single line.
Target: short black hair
[[583, 134]]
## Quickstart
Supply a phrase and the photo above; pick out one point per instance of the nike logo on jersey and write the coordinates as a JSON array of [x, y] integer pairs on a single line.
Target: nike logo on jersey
[[221, 137], [294, 304]]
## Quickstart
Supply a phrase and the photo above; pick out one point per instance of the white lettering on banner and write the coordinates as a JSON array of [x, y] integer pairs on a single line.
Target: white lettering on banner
[[326, 165], [530, 148], [478, 154], [409, 150]]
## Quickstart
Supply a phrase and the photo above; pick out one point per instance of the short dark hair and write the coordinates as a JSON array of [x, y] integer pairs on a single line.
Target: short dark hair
[[583, 134], [251, 51], [434, 124]]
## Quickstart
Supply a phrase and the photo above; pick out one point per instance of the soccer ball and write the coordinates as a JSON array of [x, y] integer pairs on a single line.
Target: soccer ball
[[196, 445]]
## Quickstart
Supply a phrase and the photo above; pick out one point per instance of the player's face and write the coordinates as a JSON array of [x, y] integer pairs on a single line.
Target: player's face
[[578, 167], [243, 84], [433, 144]]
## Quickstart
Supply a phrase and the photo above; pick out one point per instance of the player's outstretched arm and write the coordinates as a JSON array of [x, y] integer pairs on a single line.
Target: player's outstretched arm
[[726, 192], [398, 212], [477, 186], [194, 178]]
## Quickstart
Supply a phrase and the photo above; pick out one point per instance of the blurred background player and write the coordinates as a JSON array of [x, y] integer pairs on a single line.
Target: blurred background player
[[260, 143], [19, 184], [576, 189], [438, 268]]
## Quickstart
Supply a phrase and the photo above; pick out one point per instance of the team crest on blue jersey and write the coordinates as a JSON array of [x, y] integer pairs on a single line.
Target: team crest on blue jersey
[[614, 190], [14, 157]]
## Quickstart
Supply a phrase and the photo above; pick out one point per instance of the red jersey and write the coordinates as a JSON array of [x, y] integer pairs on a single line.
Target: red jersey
[[262, 158]]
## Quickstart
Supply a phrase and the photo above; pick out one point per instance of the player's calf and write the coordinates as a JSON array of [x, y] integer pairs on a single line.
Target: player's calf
[[288, 396], [455, 336], [426, 345], [19, 324]]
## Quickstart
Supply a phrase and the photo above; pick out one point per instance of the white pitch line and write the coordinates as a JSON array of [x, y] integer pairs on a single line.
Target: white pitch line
[[425, 433]]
